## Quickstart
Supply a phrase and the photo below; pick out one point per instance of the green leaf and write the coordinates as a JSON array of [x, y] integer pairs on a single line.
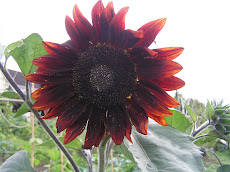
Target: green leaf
[[10, 95], [39, 141], [220, 128], [164, 149], [24, 54], [191, 112], [124, 150], [210, 114], [224, 168], [11, 47], [225, 143], [178, 121], [75, 144], [215, 133], [22, 110], [17, 162], [225, 121], [32, 140]]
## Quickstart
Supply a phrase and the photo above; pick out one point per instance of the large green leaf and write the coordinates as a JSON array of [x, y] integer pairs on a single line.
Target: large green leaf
[[75, 144], [18, 162], [164, 149], [178, 121], [24, 54], [191, 112], [22, 110], [223, 168]]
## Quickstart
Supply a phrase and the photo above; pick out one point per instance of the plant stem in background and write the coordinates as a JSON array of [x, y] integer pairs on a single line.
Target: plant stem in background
[[41, 121], [201, 128], [213, 152]]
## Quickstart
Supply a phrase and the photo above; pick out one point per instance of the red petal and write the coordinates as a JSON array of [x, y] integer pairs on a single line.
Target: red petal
[[53, 63], [150, 31], [76, 129], [96, 16], [117, 26], [78, 38], [160, 93], [54, 97], [49, 78], [82, 23], [57, 111], [104, 34], [41, 91], [95, 129], [69, 116], [157, 68], [169, 53], [115, 124], [105, 19], [109, 11], [43, 71], [169, 84], [70, 45], [150, 103], [138, 116], [129, 38], [59, 51], [160, 120], [127, 124], [139, 54], [53, 112]]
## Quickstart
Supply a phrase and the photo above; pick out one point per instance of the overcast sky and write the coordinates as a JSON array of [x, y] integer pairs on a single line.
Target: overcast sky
[[202, 27]]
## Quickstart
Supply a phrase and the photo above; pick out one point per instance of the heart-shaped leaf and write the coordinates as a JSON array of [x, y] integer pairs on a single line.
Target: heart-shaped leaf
[[178, 121], [11, 47], [10, 95], [164, 149], [24, 53], [22, 110]]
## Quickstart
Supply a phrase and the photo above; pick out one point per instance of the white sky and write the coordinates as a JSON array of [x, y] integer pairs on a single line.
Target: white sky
[[202, 27]]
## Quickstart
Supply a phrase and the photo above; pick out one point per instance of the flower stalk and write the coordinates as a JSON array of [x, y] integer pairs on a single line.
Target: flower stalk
[[41, 121], [102, 154]]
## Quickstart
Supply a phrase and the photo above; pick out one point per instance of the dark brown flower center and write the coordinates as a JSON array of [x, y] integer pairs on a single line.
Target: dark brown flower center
[[104, 76]]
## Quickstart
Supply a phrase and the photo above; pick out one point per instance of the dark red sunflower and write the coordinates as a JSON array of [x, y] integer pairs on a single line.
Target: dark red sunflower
[[106, 77]]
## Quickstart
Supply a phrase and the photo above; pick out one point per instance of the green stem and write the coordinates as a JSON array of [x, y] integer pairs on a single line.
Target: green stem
[[212, 152], [201, 128], [102, 158], [205, 135], [41, 121]]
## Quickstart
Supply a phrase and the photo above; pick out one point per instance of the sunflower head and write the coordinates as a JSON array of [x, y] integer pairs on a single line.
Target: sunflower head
[[105, 77]]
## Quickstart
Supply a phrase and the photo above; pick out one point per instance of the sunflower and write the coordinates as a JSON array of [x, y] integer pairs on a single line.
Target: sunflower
[[105, 77]]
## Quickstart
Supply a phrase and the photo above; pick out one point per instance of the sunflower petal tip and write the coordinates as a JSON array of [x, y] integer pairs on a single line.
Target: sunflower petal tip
[[129, 138], [66, 141]]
